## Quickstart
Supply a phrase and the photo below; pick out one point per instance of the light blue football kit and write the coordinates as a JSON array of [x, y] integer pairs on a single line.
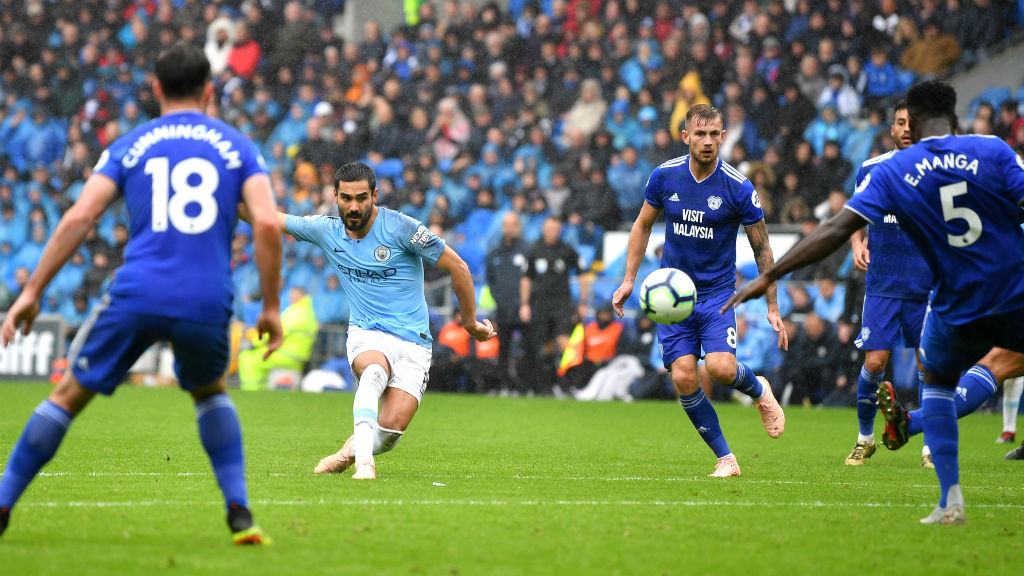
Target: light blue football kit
[[701, 222], [382, 274]]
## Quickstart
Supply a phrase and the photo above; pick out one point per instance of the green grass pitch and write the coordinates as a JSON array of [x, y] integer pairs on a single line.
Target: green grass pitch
[[501, 486]]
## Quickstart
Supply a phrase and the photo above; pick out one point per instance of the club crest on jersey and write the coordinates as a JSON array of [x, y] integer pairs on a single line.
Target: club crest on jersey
[[714, 202], [382, 253]]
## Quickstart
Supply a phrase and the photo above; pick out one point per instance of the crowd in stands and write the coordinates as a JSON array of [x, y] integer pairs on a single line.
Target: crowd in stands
[[545, 108]]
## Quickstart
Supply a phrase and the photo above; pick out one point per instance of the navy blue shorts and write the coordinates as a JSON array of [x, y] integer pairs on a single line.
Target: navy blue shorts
[[705, 330], [948, 350], [111, 340], [886, 321]]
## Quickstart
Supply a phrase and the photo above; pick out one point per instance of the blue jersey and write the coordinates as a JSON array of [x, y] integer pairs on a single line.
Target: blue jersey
[[958, 199], [897, 268], [701, 221], [382, 274], [181, 176]]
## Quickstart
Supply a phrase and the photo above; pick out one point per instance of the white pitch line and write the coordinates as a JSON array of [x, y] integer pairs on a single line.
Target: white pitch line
[[449, 477], [524, 503]]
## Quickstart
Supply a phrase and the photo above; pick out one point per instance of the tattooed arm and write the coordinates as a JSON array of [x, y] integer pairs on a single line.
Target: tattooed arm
[[757, 234]]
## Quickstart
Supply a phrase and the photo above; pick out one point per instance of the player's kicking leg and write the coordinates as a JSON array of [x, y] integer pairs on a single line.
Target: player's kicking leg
[[1012, 389], [395, 381], [974, 388], [395, 414]]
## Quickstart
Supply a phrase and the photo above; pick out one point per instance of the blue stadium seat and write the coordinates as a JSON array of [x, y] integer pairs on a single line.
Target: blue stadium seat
[[994, 96]]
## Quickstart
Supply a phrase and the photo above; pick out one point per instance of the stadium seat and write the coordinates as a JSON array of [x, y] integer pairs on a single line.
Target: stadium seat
[[993, 96]]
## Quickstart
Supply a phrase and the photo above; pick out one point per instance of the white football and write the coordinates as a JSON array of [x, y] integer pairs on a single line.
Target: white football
[[667, 296]]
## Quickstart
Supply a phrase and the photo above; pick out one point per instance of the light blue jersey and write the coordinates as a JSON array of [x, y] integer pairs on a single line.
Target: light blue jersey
[[382, 274]]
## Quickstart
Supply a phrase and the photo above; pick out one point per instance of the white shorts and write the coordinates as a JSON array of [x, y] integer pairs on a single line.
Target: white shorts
[[410, 363]]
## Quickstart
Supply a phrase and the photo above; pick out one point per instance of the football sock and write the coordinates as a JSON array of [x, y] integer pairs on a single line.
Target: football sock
[[1011, 403], [221, 436], [372, 383], [975, 387], [36, 446], [384, 439], [705, 420], [867, 403], [941, 432], [746, 382]]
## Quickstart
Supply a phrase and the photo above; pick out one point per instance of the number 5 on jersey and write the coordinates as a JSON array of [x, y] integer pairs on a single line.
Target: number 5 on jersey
[[193, 180]]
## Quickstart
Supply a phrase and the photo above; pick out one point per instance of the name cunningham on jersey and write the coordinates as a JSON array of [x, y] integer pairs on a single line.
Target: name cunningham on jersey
[[197, 132]]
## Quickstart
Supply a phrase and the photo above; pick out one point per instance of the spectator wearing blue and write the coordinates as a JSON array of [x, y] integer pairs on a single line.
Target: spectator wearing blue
[[245, 278], [13, 230], [416, 205], [401, 61], [131, 116], [292, 130], [827, 126], [330, 302], [830, 298], [27, 256], [533, 215], [628, 177], [620, 125], [799, 22], [69, 279], [262, 99], [770, 61], [839, 94], [740, 131], [34, 140], [494, 172], [648, 120], [633, 72], [75, 311], [299, 273], [883, 85]]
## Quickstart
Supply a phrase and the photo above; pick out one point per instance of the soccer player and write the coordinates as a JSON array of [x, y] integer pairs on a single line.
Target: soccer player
[[378, 254], [896, 291], [958, 199], [896, 297], [705, 200], [182, 177]]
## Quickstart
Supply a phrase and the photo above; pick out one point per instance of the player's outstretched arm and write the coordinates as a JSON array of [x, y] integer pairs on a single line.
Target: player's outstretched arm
[[245, 216], [267, 224], [462, 283], [757, 235], [99, 191], [820, 243], [639, 235]]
